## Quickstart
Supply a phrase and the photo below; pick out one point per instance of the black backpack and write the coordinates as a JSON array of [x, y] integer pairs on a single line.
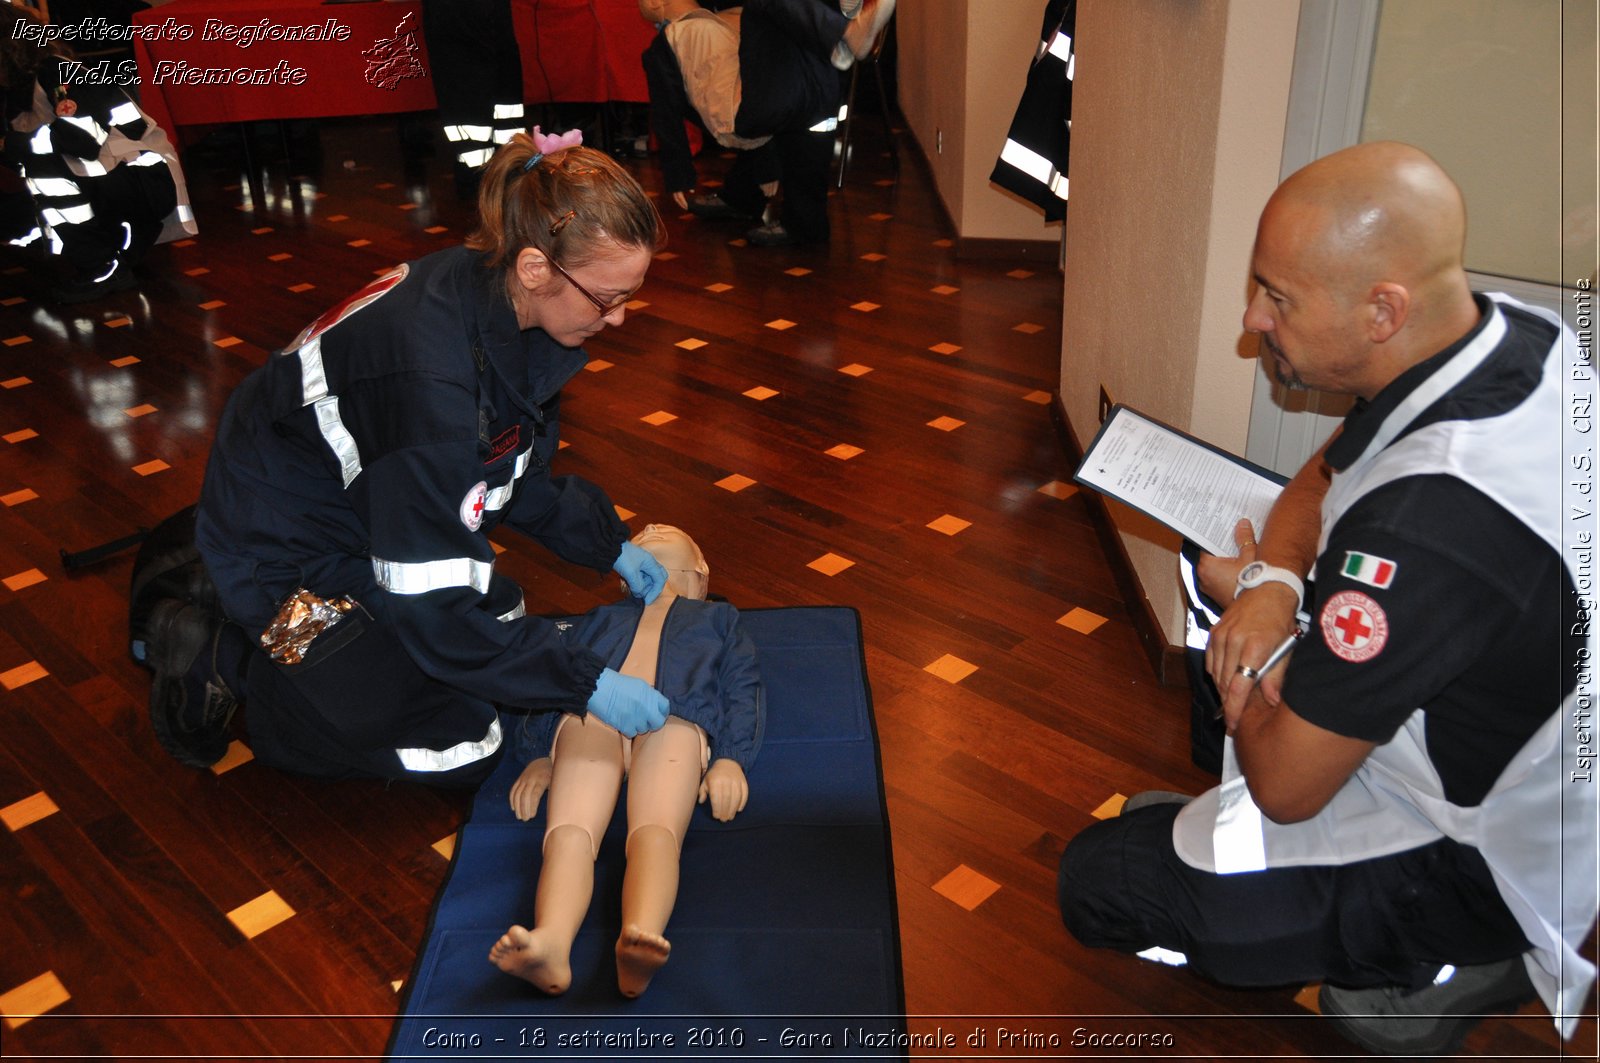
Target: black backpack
[[168, 566]]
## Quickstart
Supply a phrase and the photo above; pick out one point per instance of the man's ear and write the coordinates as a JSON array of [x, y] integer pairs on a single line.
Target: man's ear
[[1388, 307]]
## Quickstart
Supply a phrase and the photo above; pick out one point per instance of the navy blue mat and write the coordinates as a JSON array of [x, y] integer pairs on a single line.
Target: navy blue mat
[[785, 930]]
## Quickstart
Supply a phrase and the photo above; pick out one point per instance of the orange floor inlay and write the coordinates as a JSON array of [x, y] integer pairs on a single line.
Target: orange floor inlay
[[637, 304], [780, 324], [944, 348], [873, 256], [719, 287], [1020, 274], [446, 846], [830, 564], [1040, 397], [22, 675], [760, 393], [254, 918], [18, 341], [950, 525], [623, 514], [281, 256], [797, 271], [944, 289], [1057, 489], [238, 753], [33, 998], [228, 341], [666, 256], [855, 369], [950, 668], [214, 304], [198, 271], [597, 365], [944, 243], [150, 468], [16, 382], [945, 424], [1081, 620], [26, 578], [16, 498], [140, 411], [301, 287], [690, 344], [659, 418], [866, 307], [28, 811], [338, 217], [15, 300], [735, 482], [119, 322], [1027, 328], [880, 216], [844, 452], [21, 435], [966, 887], [261, 231], [125, 361], [1111, 806], [359, 243], [435, 230]]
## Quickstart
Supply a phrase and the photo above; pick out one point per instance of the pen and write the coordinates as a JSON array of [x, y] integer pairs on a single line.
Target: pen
[[1272, 659]]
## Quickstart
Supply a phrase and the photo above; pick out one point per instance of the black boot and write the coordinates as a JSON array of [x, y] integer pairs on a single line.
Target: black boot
[[190, 702]]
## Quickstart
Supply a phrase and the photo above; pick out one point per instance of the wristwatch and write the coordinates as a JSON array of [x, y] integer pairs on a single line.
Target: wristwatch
[[1258, 572]]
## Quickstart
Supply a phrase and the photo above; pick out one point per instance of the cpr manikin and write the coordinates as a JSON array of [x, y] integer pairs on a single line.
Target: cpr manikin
[[696, 654]]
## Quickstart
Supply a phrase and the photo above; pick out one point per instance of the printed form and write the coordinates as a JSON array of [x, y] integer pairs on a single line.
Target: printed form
[[1195, 489]]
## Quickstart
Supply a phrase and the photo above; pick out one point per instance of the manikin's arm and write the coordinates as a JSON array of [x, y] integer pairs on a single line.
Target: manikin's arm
[[529, 788], [1255, 622], [726, 786]]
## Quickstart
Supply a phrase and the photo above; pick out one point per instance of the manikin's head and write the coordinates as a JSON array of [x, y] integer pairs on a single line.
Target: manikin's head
[[687, 572]]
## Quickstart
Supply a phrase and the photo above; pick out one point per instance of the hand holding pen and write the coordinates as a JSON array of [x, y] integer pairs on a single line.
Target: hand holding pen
[[1273, 659]]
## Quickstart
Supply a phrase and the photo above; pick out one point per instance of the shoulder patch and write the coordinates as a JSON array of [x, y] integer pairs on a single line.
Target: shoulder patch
[[1354, 626], [349, 305], [472, 505], [1374, 571]]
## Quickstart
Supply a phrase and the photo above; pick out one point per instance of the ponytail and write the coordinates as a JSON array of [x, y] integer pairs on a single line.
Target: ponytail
[[566, 204]]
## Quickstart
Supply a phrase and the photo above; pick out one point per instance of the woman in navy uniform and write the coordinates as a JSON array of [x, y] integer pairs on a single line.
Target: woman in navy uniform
[[363, 468]]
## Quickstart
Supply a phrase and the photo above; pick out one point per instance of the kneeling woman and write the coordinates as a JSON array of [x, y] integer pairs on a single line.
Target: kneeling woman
[[360, 471]]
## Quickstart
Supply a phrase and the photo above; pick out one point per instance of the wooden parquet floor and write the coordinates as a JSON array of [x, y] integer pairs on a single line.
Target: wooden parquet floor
[[866, 424]]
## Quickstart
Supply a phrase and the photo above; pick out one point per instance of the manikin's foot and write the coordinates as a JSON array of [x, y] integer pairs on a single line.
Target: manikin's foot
[[529, 956], [639, 956]]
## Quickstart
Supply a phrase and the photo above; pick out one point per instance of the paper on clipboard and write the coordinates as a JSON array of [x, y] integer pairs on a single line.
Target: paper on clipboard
[[1195, 489]]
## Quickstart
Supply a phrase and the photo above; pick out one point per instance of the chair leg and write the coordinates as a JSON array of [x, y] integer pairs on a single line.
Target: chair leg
[[844, 126]]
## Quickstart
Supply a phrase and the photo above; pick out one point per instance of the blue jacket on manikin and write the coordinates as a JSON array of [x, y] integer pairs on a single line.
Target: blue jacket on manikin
[[706, 669]]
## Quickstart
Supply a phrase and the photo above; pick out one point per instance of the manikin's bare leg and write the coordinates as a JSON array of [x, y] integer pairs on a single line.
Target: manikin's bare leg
[[582, 796], [663, 783]]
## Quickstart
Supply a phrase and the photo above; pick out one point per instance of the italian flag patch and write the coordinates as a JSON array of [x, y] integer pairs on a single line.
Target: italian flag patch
[[1365, 568]]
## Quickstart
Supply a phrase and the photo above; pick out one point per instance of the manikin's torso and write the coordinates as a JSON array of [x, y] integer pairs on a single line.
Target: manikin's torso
[[645, 651]]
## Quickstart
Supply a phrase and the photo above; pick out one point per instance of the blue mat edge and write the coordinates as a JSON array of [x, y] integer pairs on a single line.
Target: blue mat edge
[[404, 1004]]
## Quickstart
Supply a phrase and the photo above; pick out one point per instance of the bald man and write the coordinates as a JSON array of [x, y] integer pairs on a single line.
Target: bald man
[[1395, 818]]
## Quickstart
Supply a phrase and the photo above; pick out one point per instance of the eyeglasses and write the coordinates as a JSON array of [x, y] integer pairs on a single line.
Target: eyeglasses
[[604, 308]]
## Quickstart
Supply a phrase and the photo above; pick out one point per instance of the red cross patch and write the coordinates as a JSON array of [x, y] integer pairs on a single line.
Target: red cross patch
[[472, 505], [1354, 626]]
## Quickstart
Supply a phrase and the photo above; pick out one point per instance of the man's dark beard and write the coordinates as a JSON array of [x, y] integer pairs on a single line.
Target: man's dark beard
[[1280, 366]]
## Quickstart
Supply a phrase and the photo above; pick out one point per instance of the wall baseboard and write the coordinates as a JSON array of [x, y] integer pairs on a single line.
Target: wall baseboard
[[1166, 660], [1047, 253]]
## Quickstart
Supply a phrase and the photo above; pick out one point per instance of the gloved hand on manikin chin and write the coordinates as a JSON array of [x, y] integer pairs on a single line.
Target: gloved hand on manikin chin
[[630, 705], [642, 572]]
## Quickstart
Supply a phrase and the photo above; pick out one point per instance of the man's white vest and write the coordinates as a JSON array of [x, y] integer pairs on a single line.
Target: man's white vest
[[1536, 828]]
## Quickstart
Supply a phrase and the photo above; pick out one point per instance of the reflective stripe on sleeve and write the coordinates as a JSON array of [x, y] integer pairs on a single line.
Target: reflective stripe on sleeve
[[1035, 166], [52, 186], [24, 241], [497, 499], [503, 136], [93, 168], [507, 110], [87, 124], [123, 113], [146, 158], [1061, 47], [1170, 957], [420, 577], [456, 756], [314, 393], [68, 215], [41, 143], [475, 158], [519, 610]]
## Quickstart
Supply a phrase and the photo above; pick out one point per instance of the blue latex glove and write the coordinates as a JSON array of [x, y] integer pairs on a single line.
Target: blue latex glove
[[643, 573], [630, 705]]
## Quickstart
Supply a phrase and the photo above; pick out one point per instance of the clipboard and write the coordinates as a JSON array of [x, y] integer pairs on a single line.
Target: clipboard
[[1198, 490]]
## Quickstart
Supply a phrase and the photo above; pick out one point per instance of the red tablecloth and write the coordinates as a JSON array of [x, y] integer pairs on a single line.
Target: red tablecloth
[[572, 51]]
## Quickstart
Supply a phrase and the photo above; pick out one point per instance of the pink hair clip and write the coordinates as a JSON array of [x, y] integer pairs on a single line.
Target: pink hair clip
[[550, 143]]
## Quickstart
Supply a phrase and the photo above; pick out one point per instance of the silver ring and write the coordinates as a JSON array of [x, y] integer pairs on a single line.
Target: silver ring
[[1248, 672]]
